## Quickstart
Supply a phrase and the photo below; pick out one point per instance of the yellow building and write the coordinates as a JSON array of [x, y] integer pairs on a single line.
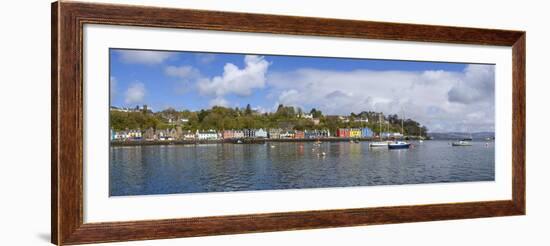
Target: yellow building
[[355, 133]]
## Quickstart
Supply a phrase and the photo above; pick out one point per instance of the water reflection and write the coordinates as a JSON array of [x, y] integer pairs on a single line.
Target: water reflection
[[237, 167]]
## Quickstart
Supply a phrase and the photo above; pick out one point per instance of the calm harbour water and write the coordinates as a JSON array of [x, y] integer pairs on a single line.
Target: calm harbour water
[[168, 169]]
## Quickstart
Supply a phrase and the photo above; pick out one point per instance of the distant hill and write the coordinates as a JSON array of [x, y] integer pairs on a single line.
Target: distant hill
[[460, 135]]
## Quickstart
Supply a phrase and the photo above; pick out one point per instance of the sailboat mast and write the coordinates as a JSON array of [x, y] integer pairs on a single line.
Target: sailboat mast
[[402, 132], [380, 125]]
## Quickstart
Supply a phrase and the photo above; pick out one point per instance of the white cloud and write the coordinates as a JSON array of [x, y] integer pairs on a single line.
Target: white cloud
[[441, 100], [218, 101], [478, 84], [135, 93], [235, 80], [183, 72], [146, 57]]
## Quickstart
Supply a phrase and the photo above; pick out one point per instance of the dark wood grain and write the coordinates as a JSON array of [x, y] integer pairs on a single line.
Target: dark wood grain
[[54, 124], [518, 123], [68, 19], [147, 230]]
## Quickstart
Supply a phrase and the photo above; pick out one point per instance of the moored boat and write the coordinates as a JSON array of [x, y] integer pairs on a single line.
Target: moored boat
[[399, 145], [463, 142]]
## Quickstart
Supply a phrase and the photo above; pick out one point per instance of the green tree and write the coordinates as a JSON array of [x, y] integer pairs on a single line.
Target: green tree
[[316, 113], [248, 110]]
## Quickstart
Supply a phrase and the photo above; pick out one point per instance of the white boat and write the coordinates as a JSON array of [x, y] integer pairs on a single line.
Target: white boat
[[462, 143]]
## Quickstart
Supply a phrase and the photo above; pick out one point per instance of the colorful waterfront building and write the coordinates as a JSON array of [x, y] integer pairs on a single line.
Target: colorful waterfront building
[[274, 133], [324, 133], [299, 134], [207, 135], [287, 134], [343, 133], [366, 132], [112, 134], [164, 135], [134, 134], [228, 134], [310, 134], [317, 133], [355, 133], [260, 133], [249, 133], [188, 135], [121, 135], [238, 134]]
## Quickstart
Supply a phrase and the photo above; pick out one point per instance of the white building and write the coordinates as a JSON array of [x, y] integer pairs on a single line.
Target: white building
[[238, 134], [164, 135], [260, 133], [207, 135], [121, 135], [134, 134], [344, 119], [362, 120], [189, 136]]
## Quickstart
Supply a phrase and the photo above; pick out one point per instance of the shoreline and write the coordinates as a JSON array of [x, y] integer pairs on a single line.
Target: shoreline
[[235, 141]]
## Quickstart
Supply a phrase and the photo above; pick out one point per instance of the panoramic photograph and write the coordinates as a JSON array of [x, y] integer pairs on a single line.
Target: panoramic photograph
[[196, 122]]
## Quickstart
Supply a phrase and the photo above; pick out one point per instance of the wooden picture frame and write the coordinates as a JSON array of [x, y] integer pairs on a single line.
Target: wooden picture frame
[[68, 20]]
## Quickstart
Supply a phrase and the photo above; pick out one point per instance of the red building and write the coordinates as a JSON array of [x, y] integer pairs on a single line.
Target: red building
[[299, 134], [343, 133], [228, 134]]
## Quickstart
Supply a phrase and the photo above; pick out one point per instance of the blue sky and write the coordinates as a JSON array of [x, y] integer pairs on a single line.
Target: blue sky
[[429, 91]]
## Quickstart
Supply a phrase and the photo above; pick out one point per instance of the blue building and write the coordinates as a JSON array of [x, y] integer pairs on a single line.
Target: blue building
[[366, 132], [310, 134]]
